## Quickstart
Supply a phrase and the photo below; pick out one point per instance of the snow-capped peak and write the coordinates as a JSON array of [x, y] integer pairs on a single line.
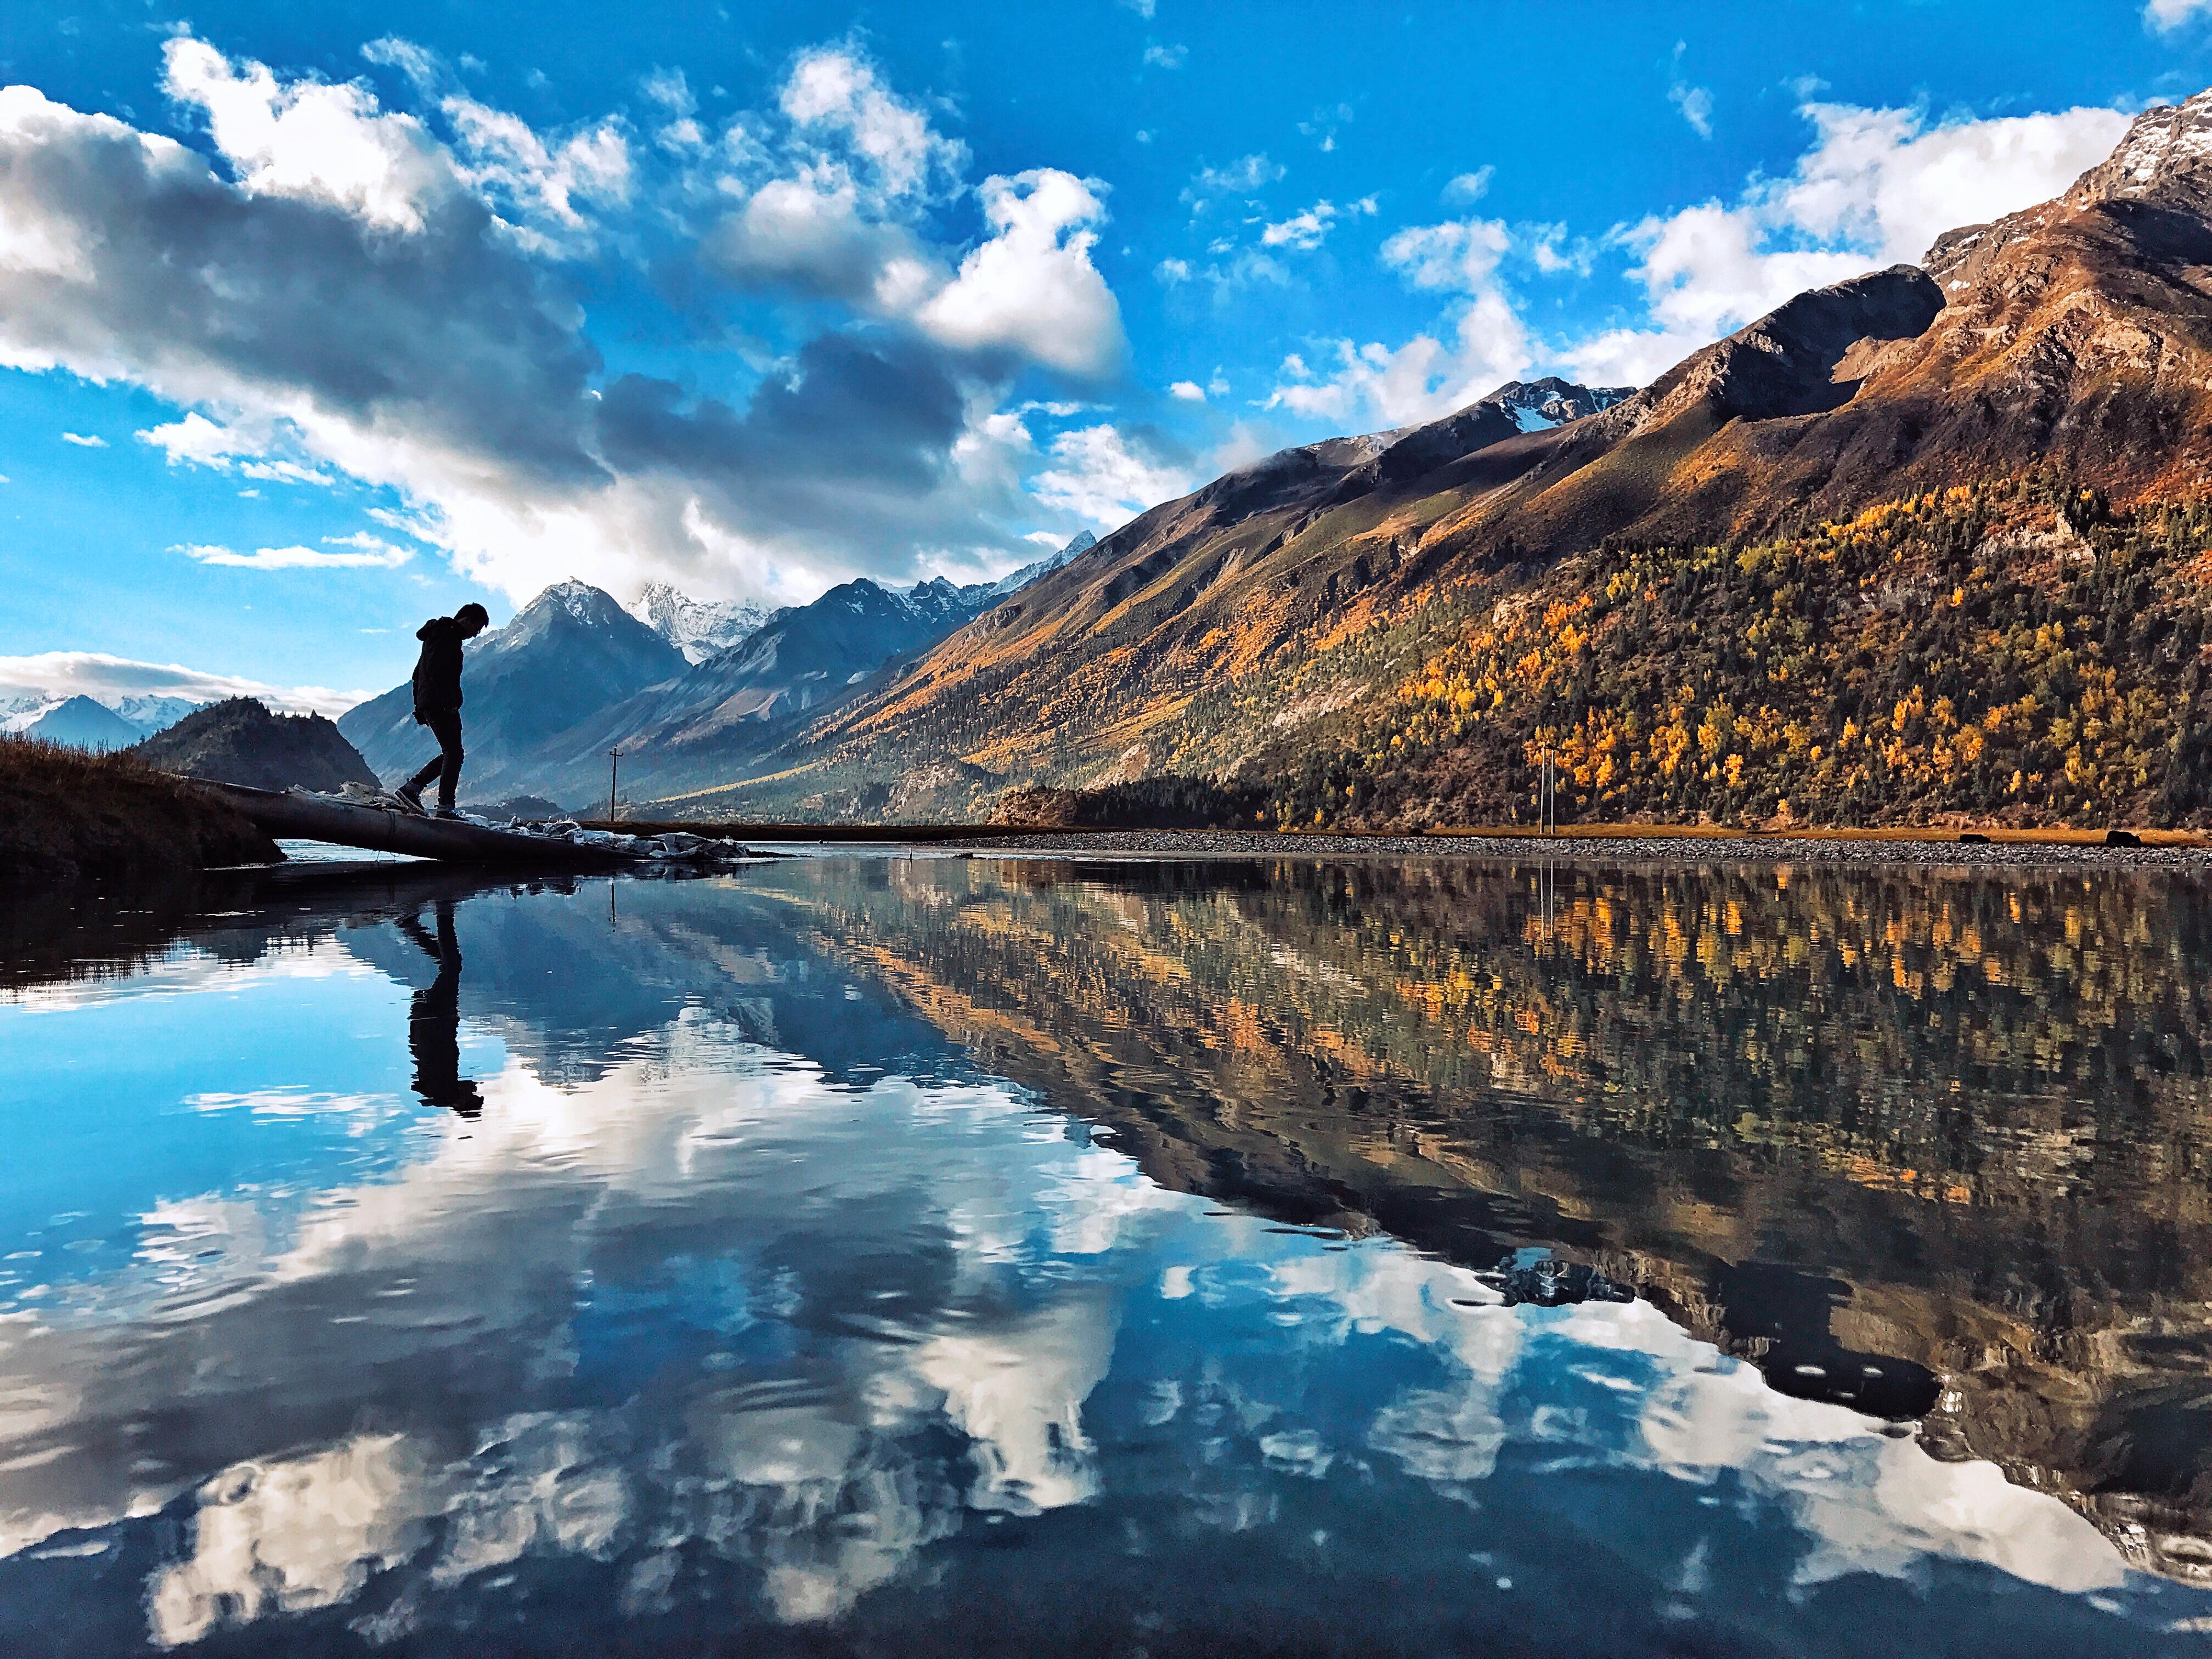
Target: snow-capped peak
[[699, 628], [1535, 405], [2167, 149]]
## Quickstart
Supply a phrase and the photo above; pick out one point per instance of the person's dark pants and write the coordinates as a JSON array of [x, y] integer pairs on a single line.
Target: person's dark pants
[[446, 768]]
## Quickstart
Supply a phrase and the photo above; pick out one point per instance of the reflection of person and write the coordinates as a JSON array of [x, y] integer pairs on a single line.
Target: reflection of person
[[438, 701], [434, 1021]]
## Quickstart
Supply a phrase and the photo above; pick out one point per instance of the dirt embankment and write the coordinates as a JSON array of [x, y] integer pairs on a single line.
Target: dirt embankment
[[66, 816]]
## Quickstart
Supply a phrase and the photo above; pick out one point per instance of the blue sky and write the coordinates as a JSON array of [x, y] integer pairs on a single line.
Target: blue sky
[[319, 319]]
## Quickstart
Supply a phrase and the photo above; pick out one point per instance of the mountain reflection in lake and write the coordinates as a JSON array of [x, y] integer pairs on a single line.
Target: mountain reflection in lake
[[982, 1256]]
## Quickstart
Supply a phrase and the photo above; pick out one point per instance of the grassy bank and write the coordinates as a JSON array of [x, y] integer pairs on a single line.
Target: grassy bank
[[66, 816]]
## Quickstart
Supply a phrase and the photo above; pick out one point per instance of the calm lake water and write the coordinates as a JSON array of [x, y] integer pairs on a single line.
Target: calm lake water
[[982, 1256]]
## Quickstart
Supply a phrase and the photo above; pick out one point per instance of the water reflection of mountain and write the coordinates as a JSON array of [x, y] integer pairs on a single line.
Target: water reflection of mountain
[[1957, 1120], [568, 985], [1815, 1115]]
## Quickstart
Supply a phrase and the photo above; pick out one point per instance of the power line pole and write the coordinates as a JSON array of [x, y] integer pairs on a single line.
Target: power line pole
[[614, 770]]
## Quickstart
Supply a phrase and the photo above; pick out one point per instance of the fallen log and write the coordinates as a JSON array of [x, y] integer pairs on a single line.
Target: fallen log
[[386, 829]]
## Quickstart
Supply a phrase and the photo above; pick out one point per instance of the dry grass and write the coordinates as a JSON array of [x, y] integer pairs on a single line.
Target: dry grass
[[66, 815]]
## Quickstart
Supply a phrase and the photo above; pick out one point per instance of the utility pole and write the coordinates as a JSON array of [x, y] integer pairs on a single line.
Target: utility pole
[[1547, 800], [614, 770]]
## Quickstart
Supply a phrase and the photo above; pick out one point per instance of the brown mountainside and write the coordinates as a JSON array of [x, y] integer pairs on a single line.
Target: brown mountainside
[[2025, 415]]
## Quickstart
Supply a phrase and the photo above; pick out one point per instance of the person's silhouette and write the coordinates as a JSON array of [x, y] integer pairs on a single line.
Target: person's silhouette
[[434, 1021]]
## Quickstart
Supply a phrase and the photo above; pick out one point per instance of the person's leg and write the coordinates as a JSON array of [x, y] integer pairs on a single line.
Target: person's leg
[[414, 786], [447, 729]]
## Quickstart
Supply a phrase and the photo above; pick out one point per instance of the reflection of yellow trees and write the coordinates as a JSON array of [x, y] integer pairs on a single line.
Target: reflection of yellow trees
[[1982, 1100], [1991, 1040]]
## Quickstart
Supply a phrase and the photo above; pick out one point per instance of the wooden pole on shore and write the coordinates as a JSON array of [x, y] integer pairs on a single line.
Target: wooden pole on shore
[[614, 770]]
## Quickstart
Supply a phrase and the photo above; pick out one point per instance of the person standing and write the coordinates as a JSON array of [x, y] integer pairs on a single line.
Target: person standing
[[438, 701]]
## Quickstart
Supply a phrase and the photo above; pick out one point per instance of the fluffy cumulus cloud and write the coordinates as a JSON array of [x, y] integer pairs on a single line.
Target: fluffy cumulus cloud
[[466, 378], [1108, 476], [1877, 187], [1031, 290]]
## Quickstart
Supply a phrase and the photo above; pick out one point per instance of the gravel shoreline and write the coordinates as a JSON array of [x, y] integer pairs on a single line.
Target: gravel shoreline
[[1624, 850]]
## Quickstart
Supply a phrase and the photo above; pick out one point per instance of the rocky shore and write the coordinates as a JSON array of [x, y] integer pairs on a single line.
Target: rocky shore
[[1596, 849]]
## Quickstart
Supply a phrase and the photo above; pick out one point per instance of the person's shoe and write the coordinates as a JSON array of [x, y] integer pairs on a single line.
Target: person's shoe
[[447, 813], [409, 798]]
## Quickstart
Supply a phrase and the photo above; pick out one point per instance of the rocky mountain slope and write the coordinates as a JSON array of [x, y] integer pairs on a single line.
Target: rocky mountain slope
[[1772, 583], [239, 741]]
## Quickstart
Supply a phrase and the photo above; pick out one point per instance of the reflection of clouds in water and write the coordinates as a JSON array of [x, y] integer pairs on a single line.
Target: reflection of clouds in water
[[285, 1537], [190, 970], [1871, 1502], [1017, 1392], [462, 1280], [456, 1275]]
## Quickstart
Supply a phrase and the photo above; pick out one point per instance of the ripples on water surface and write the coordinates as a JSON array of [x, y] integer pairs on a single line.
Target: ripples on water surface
[[978, 1256]]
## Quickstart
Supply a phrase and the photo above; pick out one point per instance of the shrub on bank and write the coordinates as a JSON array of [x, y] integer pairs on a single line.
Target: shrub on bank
[[66, 815]]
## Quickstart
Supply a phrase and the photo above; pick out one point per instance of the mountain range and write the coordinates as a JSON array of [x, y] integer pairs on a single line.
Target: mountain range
[[690, 692], [85, 722]]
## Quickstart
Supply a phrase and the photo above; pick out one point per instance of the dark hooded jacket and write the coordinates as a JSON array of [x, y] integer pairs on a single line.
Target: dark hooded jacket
[[438, 669]]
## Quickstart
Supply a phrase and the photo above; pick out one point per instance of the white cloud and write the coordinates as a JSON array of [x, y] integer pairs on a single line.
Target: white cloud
[[1326, 122], [669, 89], [1423, 378], [423, 68], [310, 139], [512, 165], [840, 216], [1467, 188], [409, 331], [1031, 288], [1695, 102], [1459, 256], [1877, 188], [1144, 8], [104, 679], [1240, 178], [836, 93], [198, 441], [1172, 271], [1307, 230], [2166, 15], [1167, 58], [1189, 391], [1098, 474], [368, 554], [84, 440]]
